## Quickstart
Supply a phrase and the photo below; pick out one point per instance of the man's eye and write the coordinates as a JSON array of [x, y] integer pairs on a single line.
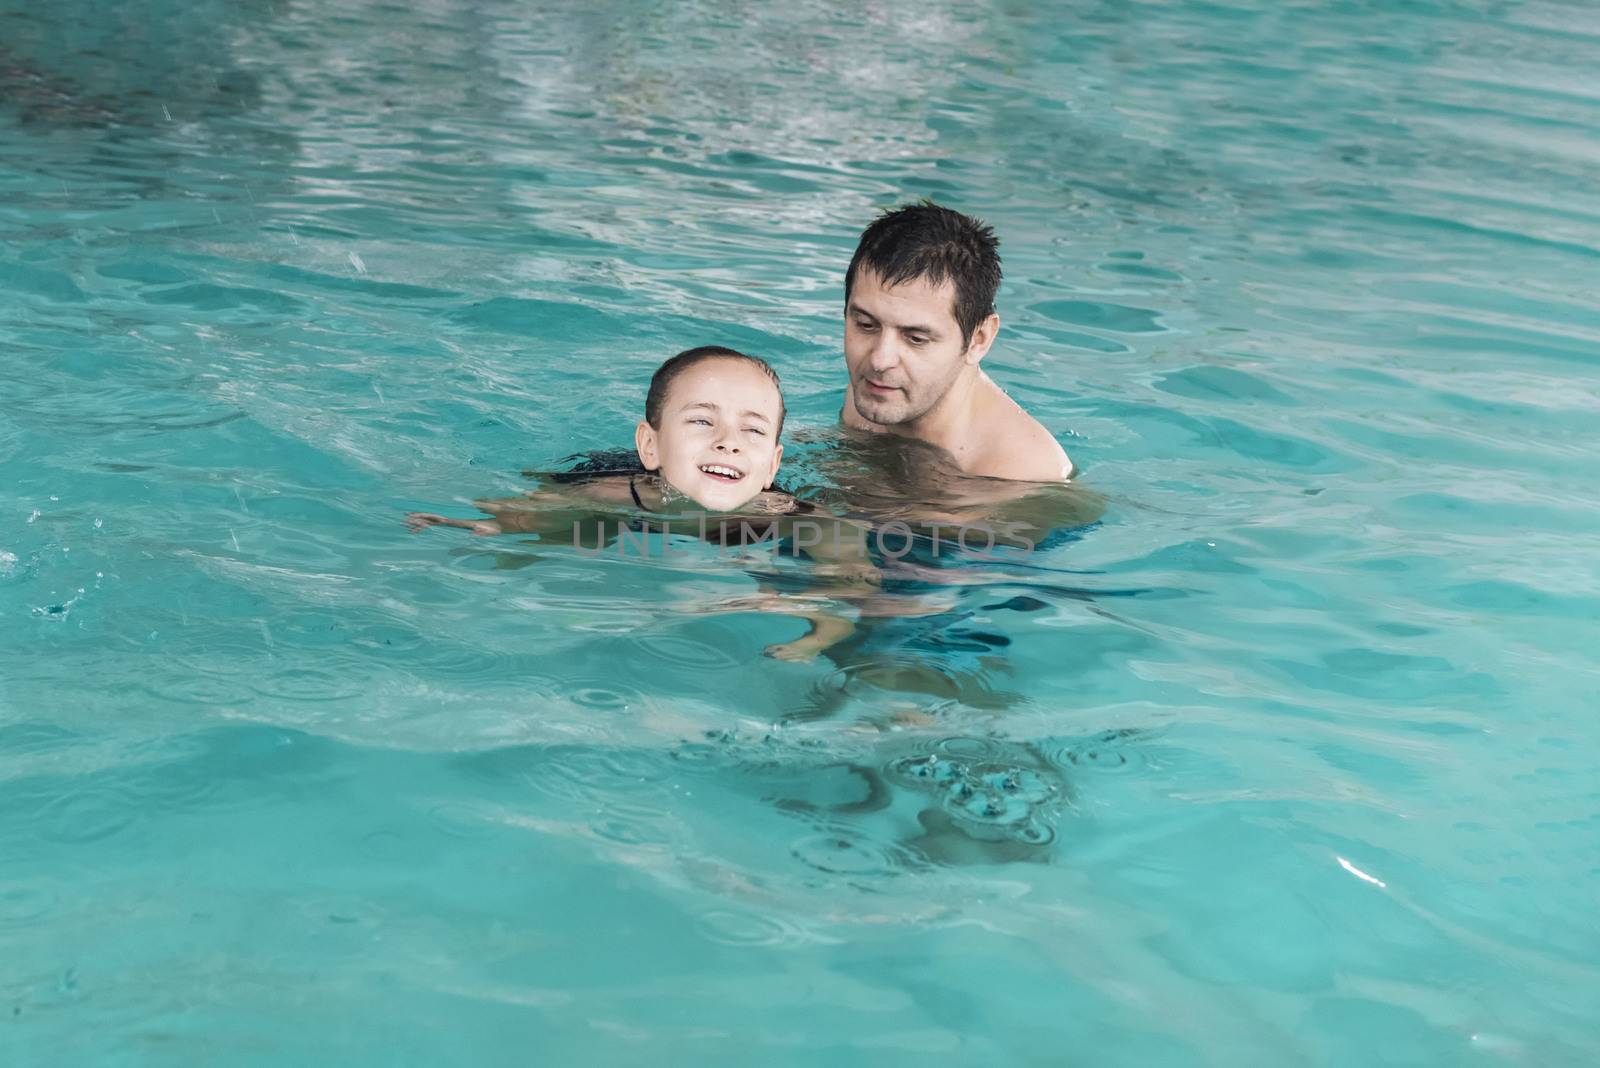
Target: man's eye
[[917, 339], [868, 327]]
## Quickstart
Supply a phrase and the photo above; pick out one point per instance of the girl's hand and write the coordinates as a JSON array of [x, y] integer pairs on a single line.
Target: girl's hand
[[416, 521], [419, 520]]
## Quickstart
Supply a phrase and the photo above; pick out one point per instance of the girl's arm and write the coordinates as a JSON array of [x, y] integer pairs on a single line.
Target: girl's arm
[[550, 514]]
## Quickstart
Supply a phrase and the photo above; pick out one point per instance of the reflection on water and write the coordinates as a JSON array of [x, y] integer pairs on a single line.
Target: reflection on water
[[900, 667], [915, 660], [922, 648], [887, 478]]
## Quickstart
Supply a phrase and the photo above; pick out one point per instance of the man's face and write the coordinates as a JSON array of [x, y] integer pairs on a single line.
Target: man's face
[[718, 439], [903, 347]]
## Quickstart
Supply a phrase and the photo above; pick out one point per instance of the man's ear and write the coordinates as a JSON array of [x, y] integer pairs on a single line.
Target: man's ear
[[982, 338], [777, 458], [644, 440]]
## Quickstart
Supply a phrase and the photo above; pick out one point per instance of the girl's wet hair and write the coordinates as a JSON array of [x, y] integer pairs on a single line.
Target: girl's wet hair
[[661, 381], [589, 466]]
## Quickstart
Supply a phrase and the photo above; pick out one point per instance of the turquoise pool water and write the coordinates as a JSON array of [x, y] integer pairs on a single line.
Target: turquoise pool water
[[1289, 760]]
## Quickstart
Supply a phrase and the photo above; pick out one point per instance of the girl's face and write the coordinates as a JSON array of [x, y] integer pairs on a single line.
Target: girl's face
[[718, 439]]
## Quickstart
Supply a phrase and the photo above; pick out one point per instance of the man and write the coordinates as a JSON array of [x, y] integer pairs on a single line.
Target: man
[[919, 319]]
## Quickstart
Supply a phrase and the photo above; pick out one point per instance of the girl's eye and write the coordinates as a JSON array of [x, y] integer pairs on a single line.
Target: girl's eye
[[755, 430], [700, 422]]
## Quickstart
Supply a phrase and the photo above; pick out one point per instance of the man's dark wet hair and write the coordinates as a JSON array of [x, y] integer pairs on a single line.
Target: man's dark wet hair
[[662, 380], [926, 241]]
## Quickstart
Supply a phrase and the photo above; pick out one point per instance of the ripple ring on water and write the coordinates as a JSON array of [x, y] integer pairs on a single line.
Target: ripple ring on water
[[34, 737], [22, 903], [1108, 753], [601, 698], [172, 786], [89, 816], [609, 695], [841, 852], [197, 688], [730, 928], [686, 652], [962, 747], [632, 825], [584, 776], [312, 683], [460, 820]]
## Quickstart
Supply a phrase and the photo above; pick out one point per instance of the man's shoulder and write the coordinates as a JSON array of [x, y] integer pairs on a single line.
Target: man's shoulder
[[1020, 448], [1026, 454]]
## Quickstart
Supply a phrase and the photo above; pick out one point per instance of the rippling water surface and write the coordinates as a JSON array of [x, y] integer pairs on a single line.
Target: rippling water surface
[[1287, 760]]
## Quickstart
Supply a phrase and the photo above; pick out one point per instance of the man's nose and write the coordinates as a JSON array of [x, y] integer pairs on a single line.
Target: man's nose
[[885, 354]]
